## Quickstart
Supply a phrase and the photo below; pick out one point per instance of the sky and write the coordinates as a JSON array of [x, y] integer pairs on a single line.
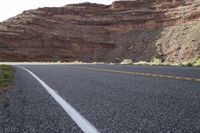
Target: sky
[[10, 8]]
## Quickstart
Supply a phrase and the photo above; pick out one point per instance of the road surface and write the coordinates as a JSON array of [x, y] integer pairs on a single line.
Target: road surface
[[105, 98]]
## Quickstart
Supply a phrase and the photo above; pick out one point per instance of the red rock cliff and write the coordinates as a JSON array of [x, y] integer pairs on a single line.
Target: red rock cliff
[[137, 29]]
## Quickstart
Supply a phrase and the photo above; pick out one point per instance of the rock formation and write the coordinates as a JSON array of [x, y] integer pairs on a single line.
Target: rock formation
[[134, 29]]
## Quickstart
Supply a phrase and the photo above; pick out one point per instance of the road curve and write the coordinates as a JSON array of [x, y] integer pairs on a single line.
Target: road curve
[[113, 98]]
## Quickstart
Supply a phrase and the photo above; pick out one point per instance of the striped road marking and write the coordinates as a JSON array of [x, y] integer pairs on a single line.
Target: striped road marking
[[141, 73], [82, 122]]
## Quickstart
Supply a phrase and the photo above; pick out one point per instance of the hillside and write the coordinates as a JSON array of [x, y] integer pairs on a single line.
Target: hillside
[[137, 30]]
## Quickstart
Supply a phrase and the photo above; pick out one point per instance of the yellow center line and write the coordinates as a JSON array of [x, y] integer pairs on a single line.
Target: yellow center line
[[142, 74]]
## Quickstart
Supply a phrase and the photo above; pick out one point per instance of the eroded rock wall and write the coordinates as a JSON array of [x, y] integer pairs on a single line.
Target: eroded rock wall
[[139, 30]]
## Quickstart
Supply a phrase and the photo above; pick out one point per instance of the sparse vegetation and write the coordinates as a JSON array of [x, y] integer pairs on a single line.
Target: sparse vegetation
[[81, 62], [197, 62], [56, 59], [142, 63], [6, 77], [191, 63], [127, 62], [155, 61], [77, 62]]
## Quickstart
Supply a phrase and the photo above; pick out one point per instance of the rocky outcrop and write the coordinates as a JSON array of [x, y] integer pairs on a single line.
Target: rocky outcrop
[[135, 29]]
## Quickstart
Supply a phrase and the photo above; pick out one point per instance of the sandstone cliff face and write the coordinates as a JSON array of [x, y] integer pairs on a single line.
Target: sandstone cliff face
[[138, 30]]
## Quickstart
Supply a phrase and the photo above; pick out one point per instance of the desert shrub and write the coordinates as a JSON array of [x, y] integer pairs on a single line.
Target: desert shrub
[[142, 63], [187, 63], [156, 61], [56, 59], [197, 62], [194, 62], [77, 62], [127, 62]]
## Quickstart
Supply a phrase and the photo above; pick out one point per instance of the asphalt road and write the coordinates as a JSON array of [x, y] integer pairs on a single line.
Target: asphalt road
[[113, 98]]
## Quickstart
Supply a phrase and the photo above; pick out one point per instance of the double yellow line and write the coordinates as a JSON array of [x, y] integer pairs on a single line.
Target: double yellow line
[[141, 73]]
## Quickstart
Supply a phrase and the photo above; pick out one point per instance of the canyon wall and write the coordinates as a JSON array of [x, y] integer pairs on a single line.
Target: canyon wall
[[134, 29]]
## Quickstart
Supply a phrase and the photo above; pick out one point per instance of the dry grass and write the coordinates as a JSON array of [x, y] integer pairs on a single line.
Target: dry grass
[[6, 77]]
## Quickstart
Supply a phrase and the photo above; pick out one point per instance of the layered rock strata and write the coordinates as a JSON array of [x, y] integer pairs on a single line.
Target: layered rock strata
[[137, 30]]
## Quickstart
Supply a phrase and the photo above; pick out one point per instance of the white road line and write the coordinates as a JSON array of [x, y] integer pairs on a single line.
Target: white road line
[[82, 122]]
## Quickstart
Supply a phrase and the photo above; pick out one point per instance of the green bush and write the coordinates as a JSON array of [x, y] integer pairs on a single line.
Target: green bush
[[156, 61], [197, 62]]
